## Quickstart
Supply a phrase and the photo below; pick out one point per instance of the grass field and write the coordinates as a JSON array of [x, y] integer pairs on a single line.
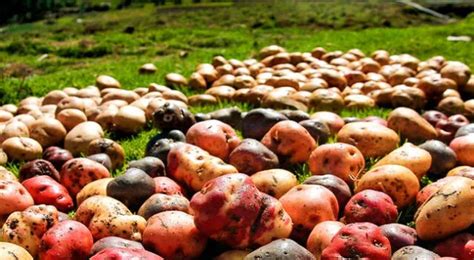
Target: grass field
[[177, 39]]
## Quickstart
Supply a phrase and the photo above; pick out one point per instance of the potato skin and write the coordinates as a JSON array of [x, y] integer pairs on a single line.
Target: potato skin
[[289, 140], [22, 148], [25, 228], [321, 236], [410, 156], [251, 156], [166, 185], [77, 173], [411, 125], [370, 206], [45, 190], [193, 166], [284, 249], [464, 148], [10, 251], [443, 158], [309, 205], [397, 181], [106, 216], [97, 187], [173, 235], [162, 202], [413, 252], [78, 139], [67, 239], [216, 137], [342, 160], [114, 242], [336, 185], [372, 139], [452, 204], [464, 171], [459, 246], [13, 197], [125, 254], [399, 235], [274, 182]]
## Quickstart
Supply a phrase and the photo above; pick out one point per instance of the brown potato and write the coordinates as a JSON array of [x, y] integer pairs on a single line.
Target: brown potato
[[332, 120], [10, 251], [399, 182], [411, 125], [22, 148], [251, 156], [274, 182], [163, 202], [326, 100], [14, 129], [372, 139], [457, 71], [448, 211], [410, 156], [6, 175], [97, 187], [48, 131], [129, 119], [463, 146], [78, 139], [71, 117], [104, 81], [109, 147]]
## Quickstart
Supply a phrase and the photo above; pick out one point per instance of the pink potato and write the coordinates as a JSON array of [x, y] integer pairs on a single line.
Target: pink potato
[[290, 141], [307, 206], [166, 185], [125, 254], [460, 246], [340, 159], [45, 190], [225, 209], [68, 239], [321, 236], [214, 136], [173, 235], [358, 240], [370, 206], [13, 197], [77, 173], [463, 146]]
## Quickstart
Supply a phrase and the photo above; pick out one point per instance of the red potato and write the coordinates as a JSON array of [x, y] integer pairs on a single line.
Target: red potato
[[166, 185], [45, 190], [307, 206], [77, 173], [214, 136], [13, 197], [342, 160], [173, 235], [290, 141], [125, 254], [358, 240], [225, 209], [57, 156], [460, 246], [38, 167], [463, 146], [399, 235], [321, 236], [370, 206], [68, 239]]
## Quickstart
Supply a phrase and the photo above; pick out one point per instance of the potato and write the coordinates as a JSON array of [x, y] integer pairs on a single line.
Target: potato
[[372, 139], [48, 131], [430, 189], [77, 173], [457, 71], [399, 182], [160, 144], [410, 156], [257, 122], [104, 81], [3, 158], [443, 157], [326, 100], [78, 139], [274, 182], [464, 171], [410, 125], [232, 255], [342, 160], [295, 115], [317, 129], [132, 188], [290, 141], [370, 206], [151, 165], [321, 236], [120, 94], [125, 254], [170, 116], [284, 249], [193, 166], [459, 246], [332, 120], [25, 228], [174, 235], [6, 175], [231, 116], [45, 190], [36, 168], [22, 148], [114, 242], [97, 187], [307, 206], [251, 156], [446, 212], [399, 235], [10, 251], [71, 117], [166, 185], [14, 129], [13, 197], [464, 147], [109, 147], [158, 203], [67, 239], [129, 119], [106, 216], [217, 138], [336, 185], [413, 252]]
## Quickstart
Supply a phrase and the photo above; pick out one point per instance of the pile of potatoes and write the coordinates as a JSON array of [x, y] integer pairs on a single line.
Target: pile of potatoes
[[223, 185]]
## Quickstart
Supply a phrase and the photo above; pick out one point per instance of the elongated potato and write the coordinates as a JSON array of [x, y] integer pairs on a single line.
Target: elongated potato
[[397, 181], [411, 125], [410, 156], [448, 211]]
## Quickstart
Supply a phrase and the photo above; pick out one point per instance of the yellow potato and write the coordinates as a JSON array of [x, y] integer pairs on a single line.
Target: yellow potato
[[97, 187], [9, 251], [274, 182]]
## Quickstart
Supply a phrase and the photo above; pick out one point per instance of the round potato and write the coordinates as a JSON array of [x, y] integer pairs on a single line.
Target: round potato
[[443, 158], [464, 148], [97, 187], [22, 148], [114, 242], [71, 117], [321, 236], [371, 139], [14, 129], [48, 131], [399, 182], [10, 251], [114, 150], [158, 203], [274, 182], [129, 119], [79, 172], [251, 156], [13, 197], [413, 252], [78, 139]]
